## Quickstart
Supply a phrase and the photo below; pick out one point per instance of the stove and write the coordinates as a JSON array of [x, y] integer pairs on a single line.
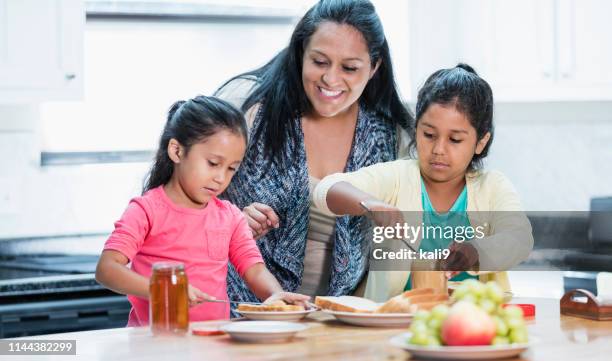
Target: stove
[[42, 294]]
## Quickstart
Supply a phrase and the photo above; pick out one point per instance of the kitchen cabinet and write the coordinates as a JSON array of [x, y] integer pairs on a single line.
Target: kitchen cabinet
[[41, 50], [544, 50]]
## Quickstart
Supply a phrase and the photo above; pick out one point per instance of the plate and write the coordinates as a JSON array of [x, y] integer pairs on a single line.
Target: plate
[[458, 352], [276, 315], [373, 319], [262, 331]]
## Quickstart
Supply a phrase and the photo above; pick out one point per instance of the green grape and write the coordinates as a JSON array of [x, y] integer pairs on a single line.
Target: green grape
[[418, 327], [494, 292], [433, 341], [499, 310], [513, 312], [487, 305], [470, 298], [519, 335], [439, 312], [476, 288], [501, 329], [515, 322], [421, 315], [460, 292], [434, 324], [499, 340], [419, 339]]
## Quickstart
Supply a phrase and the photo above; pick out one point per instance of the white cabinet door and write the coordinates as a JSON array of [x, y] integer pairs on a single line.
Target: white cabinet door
[[585, 43], [41, 50], [528, 50], [521, 48]]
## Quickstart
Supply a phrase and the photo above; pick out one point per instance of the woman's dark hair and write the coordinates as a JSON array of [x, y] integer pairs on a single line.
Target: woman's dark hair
[[469, 93], [190, 122], [279, 83]]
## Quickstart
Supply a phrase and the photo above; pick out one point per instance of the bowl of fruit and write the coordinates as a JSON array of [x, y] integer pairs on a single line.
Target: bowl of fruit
[[476, 325]]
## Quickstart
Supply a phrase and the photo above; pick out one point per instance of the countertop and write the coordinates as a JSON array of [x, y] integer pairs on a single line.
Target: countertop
[[557, 337]]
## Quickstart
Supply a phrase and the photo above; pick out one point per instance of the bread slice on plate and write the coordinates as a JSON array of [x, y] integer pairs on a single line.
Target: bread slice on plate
[[407, 302], [346, 304]]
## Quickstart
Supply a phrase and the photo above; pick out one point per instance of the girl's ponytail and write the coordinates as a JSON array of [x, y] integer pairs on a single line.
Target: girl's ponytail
[[162, 168]]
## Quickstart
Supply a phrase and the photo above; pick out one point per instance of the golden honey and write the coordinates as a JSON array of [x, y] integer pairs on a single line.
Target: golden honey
[[168, 299]]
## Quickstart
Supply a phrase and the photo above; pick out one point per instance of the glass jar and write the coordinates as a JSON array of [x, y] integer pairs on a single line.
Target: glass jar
[[168, 299]]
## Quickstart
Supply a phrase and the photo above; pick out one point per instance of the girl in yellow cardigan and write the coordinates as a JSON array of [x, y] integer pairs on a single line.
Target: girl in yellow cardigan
[[452, 135]]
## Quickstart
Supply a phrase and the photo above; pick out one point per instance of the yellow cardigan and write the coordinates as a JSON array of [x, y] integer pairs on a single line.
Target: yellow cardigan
[[508, 238]]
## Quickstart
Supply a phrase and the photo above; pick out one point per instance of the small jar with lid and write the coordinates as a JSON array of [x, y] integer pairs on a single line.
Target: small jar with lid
[[168, 299]]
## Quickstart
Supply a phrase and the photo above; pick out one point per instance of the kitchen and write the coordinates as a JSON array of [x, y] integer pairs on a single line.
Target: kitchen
[[74, 72]]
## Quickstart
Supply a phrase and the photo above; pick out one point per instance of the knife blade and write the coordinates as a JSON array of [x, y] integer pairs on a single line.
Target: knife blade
[[234, 302], [370, 215]]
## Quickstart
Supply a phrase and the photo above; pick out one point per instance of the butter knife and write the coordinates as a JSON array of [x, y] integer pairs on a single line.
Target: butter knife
[[370, 215]]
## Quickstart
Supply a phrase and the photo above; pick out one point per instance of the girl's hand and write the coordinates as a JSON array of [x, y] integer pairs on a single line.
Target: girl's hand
[[383, 213], [463, 257], [196, 296], [261, 218], [288, 297]]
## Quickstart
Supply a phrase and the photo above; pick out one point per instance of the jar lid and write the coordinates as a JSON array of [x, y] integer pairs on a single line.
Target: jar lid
[[168, 266]]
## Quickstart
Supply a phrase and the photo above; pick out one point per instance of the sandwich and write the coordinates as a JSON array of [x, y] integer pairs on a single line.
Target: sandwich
[[276, 306]]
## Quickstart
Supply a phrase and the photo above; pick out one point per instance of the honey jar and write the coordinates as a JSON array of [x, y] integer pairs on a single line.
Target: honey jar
[[168, 299]]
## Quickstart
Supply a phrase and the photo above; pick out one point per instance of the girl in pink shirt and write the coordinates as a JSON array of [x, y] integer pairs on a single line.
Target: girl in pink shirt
[[180, 218]]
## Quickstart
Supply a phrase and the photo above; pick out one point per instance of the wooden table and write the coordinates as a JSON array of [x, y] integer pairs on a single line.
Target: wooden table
[[559, 338]]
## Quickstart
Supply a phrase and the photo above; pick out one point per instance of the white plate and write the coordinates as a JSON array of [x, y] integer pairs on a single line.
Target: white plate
[[458, 352], [262, 331], [373, 319], [277, 315]]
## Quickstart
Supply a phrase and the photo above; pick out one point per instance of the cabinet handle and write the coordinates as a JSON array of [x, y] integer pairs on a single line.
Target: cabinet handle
[[70, 76]]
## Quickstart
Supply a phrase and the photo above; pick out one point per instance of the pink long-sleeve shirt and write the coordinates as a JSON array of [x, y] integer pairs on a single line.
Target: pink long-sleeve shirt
[[154, 229]]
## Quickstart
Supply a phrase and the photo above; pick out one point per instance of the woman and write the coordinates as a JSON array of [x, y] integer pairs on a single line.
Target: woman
[[325, 104]]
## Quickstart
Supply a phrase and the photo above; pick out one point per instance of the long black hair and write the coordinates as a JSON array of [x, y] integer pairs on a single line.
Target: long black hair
[[279, 83], [468, 93], [191, 122]]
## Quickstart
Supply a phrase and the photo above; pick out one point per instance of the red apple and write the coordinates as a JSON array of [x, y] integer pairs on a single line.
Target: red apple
[[467, 325]]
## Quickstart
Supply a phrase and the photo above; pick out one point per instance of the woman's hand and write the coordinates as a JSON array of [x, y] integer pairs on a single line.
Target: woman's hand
[[196, 296], [261, 218], [288, 297], [463, 257], [383, 213]]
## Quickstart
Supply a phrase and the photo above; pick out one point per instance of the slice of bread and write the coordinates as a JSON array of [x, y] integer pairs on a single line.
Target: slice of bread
[[397, 304], [346, 304], [409, 301], [426, 305]]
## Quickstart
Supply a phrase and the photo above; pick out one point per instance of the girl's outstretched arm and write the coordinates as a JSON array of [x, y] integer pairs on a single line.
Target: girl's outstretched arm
[[265, 286]]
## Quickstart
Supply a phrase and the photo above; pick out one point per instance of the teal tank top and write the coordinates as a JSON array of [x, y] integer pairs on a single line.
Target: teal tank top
[[456, 216]]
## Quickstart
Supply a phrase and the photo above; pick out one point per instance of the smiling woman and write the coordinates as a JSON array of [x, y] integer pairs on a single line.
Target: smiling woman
[[327, 103]]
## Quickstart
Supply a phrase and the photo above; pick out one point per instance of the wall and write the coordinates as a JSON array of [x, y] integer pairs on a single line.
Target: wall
[[555, 164], [558, 155]]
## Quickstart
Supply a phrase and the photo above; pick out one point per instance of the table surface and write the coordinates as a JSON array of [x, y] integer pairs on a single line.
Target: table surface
[[557, 337]]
